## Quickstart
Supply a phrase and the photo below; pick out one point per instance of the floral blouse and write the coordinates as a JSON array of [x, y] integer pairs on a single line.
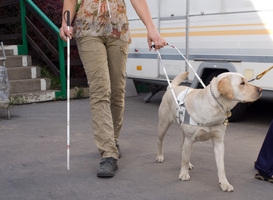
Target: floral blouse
[[102, 18]]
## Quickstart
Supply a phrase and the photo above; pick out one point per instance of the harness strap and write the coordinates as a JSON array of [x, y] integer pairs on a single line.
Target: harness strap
[[182, 114]]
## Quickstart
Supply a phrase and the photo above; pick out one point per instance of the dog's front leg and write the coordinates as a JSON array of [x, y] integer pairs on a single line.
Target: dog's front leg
[[219, 151], [186, 149]]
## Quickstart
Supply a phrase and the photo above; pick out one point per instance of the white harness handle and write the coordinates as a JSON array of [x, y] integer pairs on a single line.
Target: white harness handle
[[200, 80], [168, 80]]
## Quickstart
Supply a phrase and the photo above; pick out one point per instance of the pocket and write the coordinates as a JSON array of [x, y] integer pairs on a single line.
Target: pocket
[[125, 49]]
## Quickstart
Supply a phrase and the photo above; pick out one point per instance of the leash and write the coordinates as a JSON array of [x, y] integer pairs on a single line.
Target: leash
[[259, 76]]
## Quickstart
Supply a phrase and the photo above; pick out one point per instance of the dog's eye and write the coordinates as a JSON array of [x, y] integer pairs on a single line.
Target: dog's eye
[[243, 83]]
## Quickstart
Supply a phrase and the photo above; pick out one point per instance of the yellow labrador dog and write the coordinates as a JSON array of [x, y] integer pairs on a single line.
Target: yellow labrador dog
[[205, 112]]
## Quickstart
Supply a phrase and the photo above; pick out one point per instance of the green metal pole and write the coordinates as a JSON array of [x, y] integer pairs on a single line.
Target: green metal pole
[[23, 49], [62, 68]]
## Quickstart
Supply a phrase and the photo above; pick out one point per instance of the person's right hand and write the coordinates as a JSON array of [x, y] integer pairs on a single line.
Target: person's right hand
[[64, 32], [154, 36]]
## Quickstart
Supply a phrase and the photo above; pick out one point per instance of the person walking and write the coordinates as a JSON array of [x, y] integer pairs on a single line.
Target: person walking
[[264, 162], [101, 30]]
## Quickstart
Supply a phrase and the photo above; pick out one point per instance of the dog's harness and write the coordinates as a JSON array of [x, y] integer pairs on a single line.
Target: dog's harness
[[182, 114]]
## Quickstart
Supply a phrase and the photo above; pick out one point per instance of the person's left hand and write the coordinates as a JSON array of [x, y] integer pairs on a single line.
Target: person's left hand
[[64, 32]]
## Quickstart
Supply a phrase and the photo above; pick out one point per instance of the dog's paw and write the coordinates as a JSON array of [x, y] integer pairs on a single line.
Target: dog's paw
[[160, 158], [184, 177], [190, 166], [226, 187]]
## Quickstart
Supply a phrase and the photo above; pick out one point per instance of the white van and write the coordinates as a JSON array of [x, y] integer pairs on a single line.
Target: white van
[[215, 35]]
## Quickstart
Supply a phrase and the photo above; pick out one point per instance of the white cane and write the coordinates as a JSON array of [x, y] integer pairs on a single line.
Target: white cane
[[68, 92]]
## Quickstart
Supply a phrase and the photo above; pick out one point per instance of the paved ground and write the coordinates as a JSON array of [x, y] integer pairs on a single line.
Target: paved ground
[[33, 156]]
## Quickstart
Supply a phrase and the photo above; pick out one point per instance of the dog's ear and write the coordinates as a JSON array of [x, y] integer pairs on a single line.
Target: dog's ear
[[225, 88]]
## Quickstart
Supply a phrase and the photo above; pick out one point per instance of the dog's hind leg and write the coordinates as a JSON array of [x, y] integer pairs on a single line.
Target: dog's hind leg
[[186, 149], [163, 125]]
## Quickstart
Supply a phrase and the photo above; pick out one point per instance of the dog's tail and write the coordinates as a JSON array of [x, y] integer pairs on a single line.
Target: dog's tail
[[178, 79]]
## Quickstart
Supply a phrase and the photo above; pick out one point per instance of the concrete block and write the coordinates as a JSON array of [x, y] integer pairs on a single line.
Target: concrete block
[[17, 61], [29, 85], [32, 97], [18, 73], [9, 50]]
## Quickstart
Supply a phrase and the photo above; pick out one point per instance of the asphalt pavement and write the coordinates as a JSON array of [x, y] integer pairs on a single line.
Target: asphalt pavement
[[33, 156]]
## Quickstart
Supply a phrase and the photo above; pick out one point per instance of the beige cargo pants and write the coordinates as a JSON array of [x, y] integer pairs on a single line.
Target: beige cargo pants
[[104, 60]]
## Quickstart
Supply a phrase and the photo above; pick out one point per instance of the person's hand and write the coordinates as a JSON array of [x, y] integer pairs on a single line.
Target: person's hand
[[64, 32], [154, 36]]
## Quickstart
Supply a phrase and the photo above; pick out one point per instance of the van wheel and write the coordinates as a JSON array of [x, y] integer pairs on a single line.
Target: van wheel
[[239, 110]]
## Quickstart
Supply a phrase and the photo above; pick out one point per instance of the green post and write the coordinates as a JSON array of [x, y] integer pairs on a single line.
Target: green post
[[23, 49], [62, 44]]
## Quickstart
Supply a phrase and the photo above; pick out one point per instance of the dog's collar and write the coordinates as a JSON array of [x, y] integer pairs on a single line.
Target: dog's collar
[[227, 113]]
